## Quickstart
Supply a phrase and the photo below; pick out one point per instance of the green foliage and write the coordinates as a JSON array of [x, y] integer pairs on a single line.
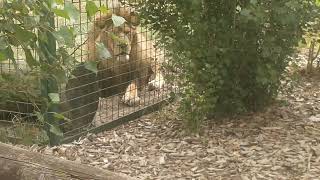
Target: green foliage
[[312, 39], [230, 54], [102, 51], [91, 8], [30, 26], [92, 66], [19, 132], [118, 20], [25, 87]]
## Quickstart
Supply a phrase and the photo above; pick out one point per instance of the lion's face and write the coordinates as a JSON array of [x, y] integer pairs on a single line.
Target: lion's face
[[119, 43]]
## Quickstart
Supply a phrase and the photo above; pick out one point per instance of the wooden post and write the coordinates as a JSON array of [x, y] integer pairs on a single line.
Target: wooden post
[[20, 164]]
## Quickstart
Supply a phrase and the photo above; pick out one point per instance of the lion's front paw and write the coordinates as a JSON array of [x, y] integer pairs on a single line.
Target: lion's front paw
[[130, 101], [156, 83], [131, 97]]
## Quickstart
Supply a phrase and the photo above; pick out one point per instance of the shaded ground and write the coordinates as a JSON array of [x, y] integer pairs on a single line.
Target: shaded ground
[[282, 142], [112, 108]]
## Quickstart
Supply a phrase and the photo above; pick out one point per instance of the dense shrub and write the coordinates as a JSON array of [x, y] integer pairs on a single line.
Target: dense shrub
[[230, 53], [312, 40], [46, 50]]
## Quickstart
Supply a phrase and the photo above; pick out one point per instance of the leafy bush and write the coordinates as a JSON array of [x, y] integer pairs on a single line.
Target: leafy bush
[[29, 25], [230, 54], [312, 40]]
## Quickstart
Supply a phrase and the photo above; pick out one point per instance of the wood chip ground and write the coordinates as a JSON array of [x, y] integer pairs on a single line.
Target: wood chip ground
[[283, 142]]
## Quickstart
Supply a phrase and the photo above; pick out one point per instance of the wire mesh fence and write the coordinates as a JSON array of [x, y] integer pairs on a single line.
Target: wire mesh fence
[[127, 82]]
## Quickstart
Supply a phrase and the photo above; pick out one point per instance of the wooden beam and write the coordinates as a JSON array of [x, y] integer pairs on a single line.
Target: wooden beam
[[20, 164]]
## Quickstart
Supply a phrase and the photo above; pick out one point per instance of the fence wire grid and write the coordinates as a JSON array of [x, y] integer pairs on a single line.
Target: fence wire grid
[[127, 85]]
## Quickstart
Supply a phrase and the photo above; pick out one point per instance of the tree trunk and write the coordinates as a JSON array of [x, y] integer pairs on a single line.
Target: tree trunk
[[20, 164]]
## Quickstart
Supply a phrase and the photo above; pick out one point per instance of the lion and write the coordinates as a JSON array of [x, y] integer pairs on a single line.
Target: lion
[[134, 57], [148, 61], [116, 72], [132, 63]]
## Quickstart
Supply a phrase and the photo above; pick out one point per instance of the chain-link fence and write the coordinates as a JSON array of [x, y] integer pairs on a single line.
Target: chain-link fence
[[127, 83]]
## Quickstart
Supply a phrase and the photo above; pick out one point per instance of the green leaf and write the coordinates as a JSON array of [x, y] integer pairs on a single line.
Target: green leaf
[[103, 52], [40, 117], [91, 66], [91, 8], [3, 55], [61, 13], [60, 76], [65, 36], [10, 55], [117, 20], [43, 37], [69, 12], [103, 9], [245, 12], [117, 38], [254, 2], [56, 130], [31, 21], [7, 54], [55, 3], [24, 36], [54, 97], [60, 116], [72, 11], [60, 2], [3, 43], [29, 58], [266, 52]]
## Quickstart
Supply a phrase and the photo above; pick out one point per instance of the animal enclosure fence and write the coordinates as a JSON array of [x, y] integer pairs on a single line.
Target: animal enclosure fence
[[115, 75]]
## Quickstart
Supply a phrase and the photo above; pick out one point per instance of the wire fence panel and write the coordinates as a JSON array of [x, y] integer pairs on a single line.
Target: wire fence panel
[[117, 75], [127, 82]]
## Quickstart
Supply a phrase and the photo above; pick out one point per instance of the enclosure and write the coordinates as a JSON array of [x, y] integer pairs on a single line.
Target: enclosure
[[113, 71]]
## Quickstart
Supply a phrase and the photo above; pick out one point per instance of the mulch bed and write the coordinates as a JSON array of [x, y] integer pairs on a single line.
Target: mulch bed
[[283, 142]]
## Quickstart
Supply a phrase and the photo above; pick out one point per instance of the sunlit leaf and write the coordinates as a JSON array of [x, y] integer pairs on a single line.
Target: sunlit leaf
[[69, 12], [40, 117], [61, 13], [60, 116], [91, 8], [54, 97], [65, 36], [60, 2], [103, 52], [91, 66], [117, 20], [56, 130], [103, 9], [72, 11]]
